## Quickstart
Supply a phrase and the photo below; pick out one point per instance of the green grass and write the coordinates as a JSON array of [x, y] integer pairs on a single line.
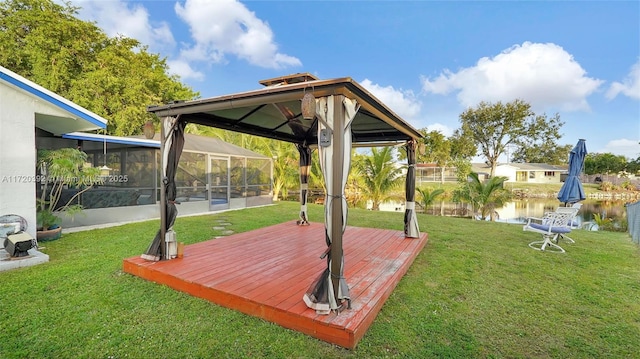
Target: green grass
[[475, 291]]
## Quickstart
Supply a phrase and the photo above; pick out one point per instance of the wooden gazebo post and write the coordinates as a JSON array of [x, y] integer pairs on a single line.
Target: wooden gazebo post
[[336, 202], [163, 189]]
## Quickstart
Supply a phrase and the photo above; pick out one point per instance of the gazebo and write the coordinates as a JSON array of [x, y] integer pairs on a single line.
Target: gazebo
[[330, 115]]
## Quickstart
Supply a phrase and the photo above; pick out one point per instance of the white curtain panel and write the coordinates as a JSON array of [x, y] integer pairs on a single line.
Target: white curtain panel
[[325, 114]]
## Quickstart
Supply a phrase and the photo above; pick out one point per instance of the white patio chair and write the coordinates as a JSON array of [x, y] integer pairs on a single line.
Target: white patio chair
[[552, 226], [573, 224]]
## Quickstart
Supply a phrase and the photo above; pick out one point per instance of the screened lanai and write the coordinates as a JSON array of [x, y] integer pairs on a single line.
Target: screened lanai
[[330, 116], [212, 175]]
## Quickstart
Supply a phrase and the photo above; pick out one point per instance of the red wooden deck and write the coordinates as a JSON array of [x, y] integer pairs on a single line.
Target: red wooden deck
[[265, 273]]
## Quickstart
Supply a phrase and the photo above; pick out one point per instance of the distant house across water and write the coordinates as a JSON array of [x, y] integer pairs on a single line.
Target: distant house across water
[[515, 172]]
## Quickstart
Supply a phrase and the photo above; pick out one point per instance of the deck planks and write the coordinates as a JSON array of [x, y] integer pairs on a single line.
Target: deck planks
[[265, 273]]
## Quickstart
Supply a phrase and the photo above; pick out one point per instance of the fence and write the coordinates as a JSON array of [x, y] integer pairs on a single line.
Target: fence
[[633, 220]]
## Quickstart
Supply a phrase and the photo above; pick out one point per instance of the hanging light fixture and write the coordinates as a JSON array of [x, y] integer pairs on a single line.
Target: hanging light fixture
[[104, 170], [308, 106], [422, 148], [149, 130]]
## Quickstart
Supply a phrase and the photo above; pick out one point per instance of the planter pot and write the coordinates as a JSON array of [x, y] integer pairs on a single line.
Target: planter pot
[[49, 235]]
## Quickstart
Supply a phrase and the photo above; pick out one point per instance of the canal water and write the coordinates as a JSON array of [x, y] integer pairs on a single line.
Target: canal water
[[518, 211]]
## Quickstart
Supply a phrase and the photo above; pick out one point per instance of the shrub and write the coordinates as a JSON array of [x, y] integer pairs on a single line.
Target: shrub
[[627, 185], [606, 186]]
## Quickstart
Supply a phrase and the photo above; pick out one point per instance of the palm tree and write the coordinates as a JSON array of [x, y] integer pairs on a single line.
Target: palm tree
[[353, 191], [380, 175], [285, 166], [427, 196], [316, 179], [484, 197]]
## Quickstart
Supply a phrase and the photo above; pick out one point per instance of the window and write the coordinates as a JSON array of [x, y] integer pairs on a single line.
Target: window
[[549, 174], [258, 176], [237, 177]]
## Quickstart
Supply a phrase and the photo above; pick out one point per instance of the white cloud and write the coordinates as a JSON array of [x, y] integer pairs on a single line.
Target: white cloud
[[623, 147], [117, 17], [630, 86], [544, 75], [443, 129], [184, 70], [227, 27], [403, 103]]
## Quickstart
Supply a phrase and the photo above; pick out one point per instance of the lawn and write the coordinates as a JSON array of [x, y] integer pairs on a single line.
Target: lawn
[[475, 291]]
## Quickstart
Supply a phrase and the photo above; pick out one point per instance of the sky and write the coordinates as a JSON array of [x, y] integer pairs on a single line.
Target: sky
[[428, 61]]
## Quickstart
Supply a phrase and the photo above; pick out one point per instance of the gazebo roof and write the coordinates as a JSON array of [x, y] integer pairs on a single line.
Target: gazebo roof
[[274, 111]]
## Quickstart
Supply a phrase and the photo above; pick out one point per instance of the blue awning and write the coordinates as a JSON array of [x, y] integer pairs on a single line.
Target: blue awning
[[132, 141]]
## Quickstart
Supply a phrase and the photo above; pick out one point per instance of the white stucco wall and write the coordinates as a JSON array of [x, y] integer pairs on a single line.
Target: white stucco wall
[[18, 112], [539, 177], [506, 171], [17, 155], [24, 106]]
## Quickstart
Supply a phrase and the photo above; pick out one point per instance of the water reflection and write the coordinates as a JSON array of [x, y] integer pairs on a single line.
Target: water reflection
[[518, 211]]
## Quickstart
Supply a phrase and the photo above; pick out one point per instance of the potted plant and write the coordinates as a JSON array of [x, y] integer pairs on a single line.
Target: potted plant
[[61, 169]]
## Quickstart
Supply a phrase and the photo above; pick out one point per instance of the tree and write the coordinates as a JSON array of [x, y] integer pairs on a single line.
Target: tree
[[463, 169], [285, 166], [484, 197], [45, 43], [634, 166], [316, 179], [380, 175], [116, 78], [463, 146], [62, 169], [353, 191], [495, 126], [542, 147], [122, 82], [428, 196], [604, 163], [545, 152], [434, 147], [437, 149], [254, 143]]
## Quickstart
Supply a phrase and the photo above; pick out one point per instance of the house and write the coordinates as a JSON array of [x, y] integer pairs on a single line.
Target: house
[[525, 172], [431, 172], [515, 172], [25, 110], [213, 175]]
